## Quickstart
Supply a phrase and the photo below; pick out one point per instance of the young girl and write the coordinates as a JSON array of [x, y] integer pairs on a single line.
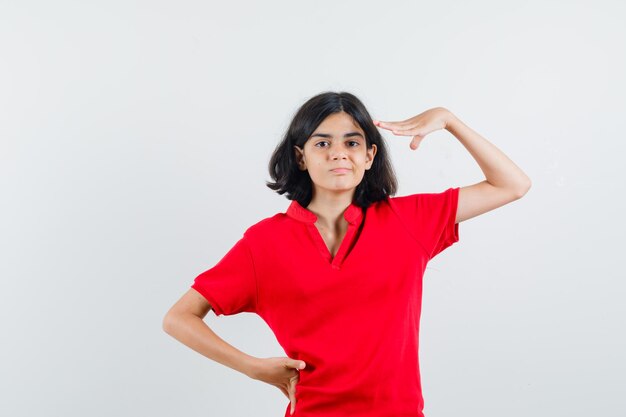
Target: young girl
[[338, 275]]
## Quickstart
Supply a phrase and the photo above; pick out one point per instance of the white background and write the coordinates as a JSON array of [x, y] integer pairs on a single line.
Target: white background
[[135, 138]]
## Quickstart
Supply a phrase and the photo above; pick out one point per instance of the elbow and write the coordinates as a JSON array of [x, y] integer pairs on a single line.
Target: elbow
[[523, 188], [168, 323]]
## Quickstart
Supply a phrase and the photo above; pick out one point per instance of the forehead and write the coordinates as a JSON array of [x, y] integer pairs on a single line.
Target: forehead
[[338, 122]]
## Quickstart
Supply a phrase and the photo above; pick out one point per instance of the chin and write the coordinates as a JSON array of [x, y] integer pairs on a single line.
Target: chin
[[339, 188]]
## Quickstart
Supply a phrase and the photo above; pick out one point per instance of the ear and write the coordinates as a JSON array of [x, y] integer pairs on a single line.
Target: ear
[[370, 156], [300, 158]]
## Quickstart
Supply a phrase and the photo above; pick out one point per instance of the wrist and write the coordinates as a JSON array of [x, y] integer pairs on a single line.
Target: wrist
[[450, 121], [251, 366]]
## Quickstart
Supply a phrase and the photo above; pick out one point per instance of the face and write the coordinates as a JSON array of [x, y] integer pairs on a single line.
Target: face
[[336, 154]]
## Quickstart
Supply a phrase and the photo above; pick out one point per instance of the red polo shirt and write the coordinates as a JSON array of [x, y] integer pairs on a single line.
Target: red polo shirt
[[354, 319]]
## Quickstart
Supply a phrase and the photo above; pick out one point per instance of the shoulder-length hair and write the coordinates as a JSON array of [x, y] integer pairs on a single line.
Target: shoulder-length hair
[[378, 182]]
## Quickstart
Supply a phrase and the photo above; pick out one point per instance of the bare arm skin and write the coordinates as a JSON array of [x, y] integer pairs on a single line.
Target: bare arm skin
[[504, 181], [185, 322]]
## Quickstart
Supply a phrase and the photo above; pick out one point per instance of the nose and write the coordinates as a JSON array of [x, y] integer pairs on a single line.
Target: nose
[[338, 154]]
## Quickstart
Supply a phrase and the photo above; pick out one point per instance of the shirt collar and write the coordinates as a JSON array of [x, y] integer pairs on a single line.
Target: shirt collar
[[352, 214]]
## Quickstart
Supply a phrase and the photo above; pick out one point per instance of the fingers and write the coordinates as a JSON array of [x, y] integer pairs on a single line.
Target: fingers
[[404, 129], [290, 363], [400, 123], [295, 365], [393, 125], [292, 392], [397, 128], [415, 142], [404, 132], [292, 398]]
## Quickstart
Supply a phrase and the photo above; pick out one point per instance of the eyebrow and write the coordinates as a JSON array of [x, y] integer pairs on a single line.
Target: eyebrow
[[347, 135]]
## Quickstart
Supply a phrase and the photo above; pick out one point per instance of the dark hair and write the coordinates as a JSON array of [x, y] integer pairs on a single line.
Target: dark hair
[[378, 182]]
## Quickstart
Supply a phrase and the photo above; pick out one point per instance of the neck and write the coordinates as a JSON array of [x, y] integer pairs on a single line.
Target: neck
[[329, 206]]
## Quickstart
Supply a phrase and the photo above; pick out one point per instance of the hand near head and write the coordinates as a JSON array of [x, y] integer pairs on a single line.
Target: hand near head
[[282, 373], [418, 126]]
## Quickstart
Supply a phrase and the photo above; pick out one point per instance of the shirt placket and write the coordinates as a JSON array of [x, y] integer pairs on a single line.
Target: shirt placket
[[337, 261]]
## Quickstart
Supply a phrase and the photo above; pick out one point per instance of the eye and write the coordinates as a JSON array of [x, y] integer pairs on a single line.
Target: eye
[[355, 143], [318, 143]]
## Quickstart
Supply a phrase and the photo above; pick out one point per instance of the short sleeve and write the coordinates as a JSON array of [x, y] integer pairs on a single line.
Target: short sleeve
[[230, 285], [431, 218]]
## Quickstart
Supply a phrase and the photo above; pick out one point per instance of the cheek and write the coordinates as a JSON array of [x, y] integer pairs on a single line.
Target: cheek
[[316, 166], [362, 159]]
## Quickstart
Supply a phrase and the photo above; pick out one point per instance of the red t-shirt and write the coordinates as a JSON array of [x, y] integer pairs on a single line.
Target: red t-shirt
[[353, 319]]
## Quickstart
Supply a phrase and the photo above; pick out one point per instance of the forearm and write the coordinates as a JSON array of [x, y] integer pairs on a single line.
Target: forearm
[[499, 170], [193, 332]]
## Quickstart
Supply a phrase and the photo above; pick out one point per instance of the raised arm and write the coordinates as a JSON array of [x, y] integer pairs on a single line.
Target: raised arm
[[505, 182]]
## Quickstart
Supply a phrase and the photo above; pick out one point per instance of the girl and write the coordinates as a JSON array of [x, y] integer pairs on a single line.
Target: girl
[[338, 275]]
